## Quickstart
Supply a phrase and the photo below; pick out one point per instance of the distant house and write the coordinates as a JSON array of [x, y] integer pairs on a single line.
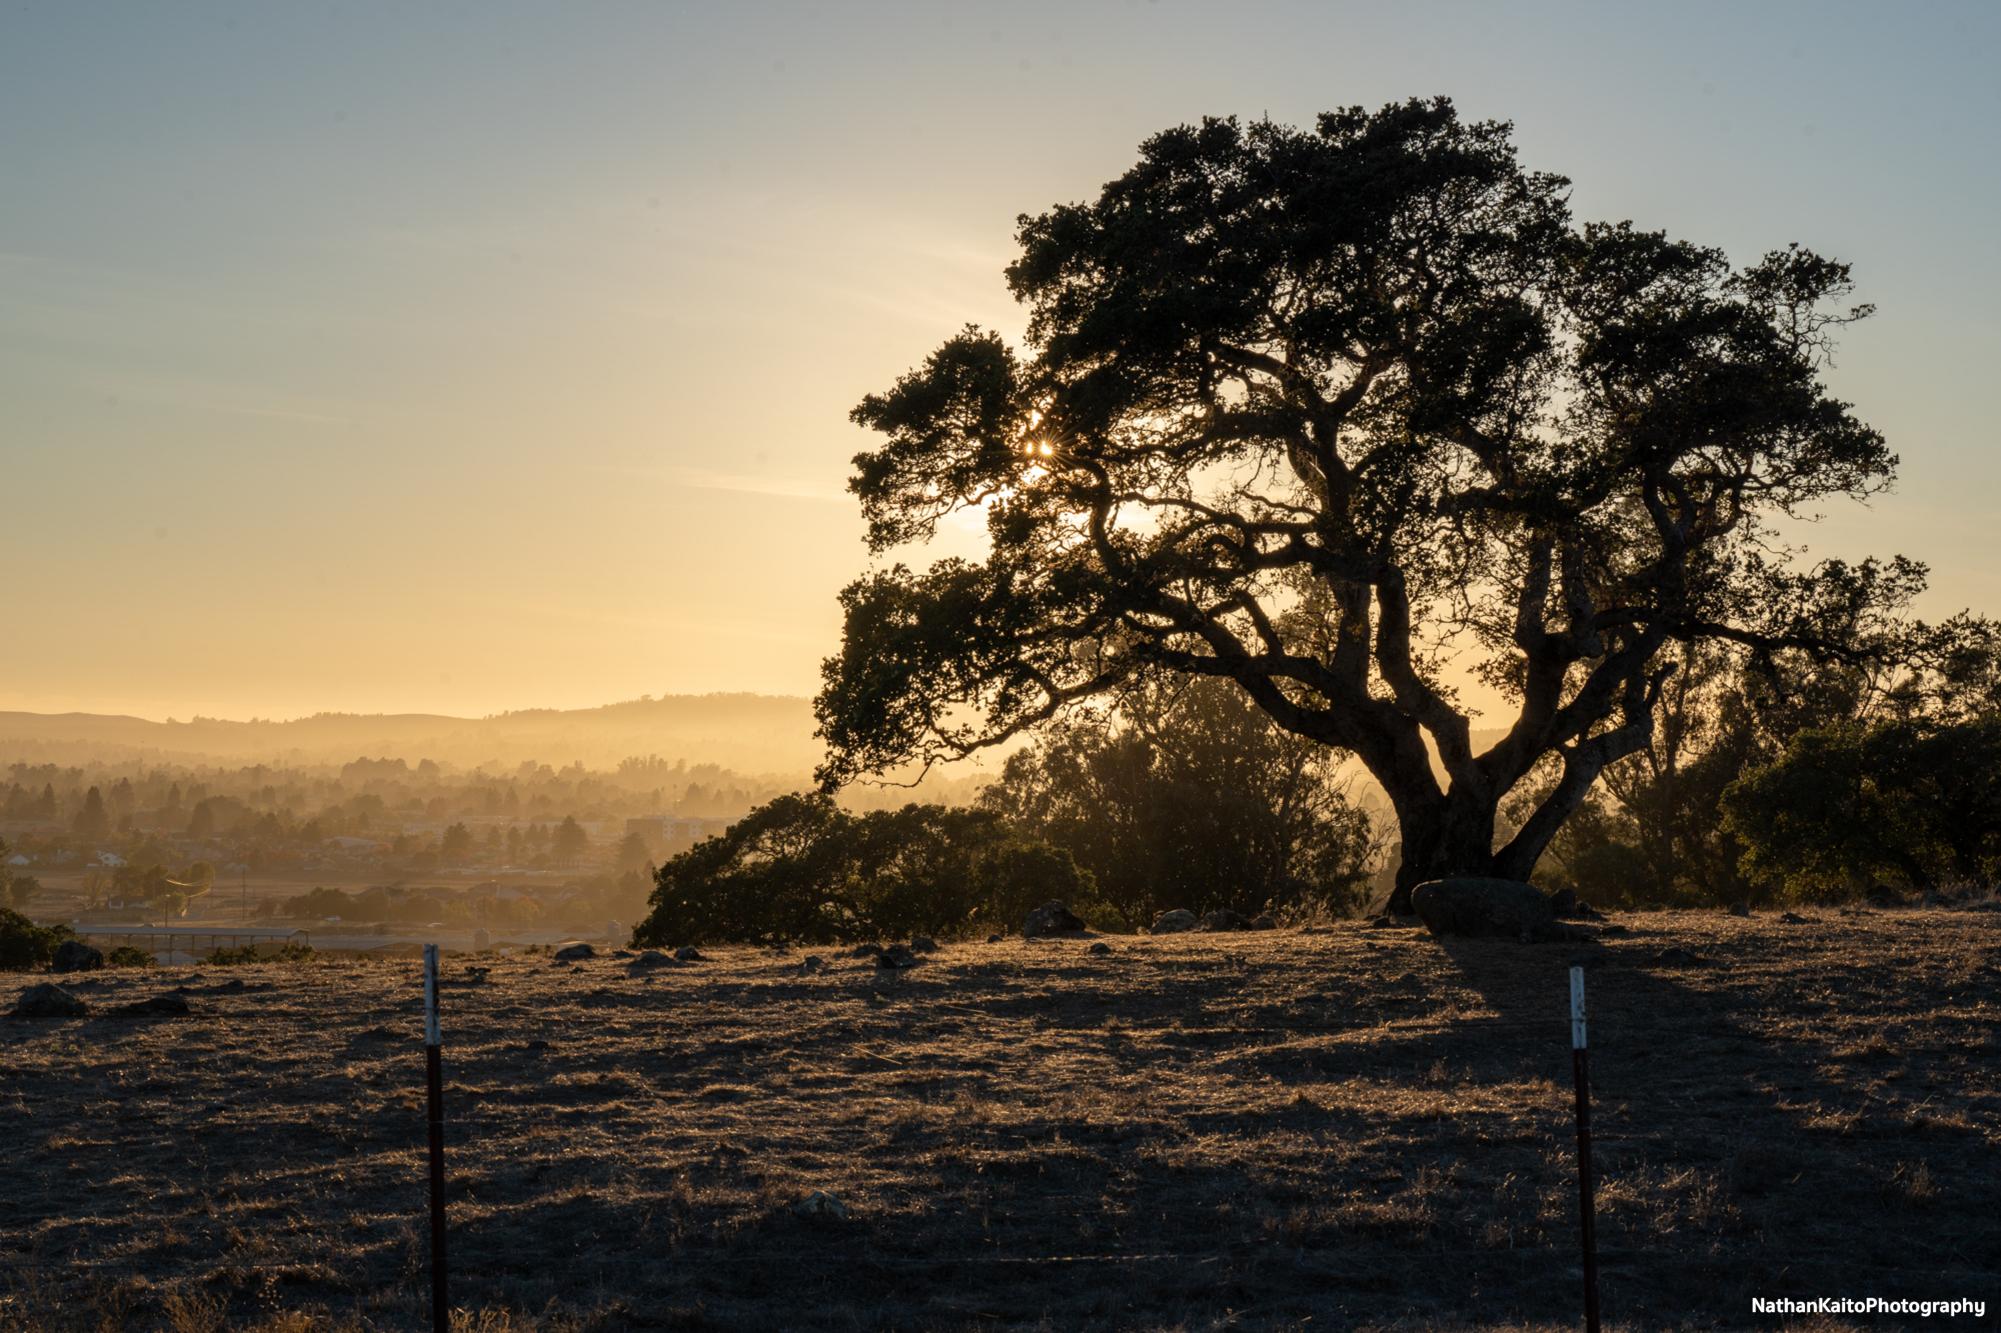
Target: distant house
[[18, 859], [110, 860]]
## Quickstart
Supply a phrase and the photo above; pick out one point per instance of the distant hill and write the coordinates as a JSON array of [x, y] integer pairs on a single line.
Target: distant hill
[[750, 733]]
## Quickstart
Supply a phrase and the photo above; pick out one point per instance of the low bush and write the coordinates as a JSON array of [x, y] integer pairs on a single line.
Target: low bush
[[801, 870], [250, 953], [23, 944]]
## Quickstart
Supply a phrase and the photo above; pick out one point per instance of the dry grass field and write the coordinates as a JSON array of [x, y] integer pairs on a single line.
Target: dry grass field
[[1291, 1130]]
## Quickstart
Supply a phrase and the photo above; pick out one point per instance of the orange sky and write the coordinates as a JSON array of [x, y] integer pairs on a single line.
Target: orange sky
[[462, 358]]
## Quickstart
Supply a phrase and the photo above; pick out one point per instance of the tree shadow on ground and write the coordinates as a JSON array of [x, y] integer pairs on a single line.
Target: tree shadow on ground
[[1759, 1129]]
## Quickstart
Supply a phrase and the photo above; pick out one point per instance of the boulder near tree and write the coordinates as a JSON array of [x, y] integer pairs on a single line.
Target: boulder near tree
[[1308, 410]]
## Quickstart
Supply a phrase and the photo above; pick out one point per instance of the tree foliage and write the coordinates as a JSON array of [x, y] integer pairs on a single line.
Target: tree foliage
[[800, 869], [1310, 411], [1911, 801], [23, 944], [15, 888], [1655, 832], [1191, 797]]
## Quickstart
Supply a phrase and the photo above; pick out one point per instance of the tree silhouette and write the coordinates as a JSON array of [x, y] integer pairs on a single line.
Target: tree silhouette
[[93, 821], [570, 842], [1317, 411]]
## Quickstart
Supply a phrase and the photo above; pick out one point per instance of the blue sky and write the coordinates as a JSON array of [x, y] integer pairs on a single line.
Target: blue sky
[[463, 357]]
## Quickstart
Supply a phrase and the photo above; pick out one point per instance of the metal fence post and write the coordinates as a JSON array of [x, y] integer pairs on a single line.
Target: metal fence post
[[441, 1312], [1580, 1063]]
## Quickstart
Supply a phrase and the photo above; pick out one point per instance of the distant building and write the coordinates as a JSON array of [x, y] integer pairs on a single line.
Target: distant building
[[674, 833]]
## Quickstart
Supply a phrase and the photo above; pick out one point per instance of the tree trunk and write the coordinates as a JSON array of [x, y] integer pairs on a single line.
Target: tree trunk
[[1452, 835]]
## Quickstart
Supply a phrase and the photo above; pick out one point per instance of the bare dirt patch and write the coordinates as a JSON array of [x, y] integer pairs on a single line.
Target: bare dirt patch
[[1352, 1129]]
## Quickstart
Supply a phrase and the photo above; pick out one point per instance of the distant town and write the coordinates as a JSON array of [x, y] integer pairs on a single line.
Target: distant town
[[355, 854]]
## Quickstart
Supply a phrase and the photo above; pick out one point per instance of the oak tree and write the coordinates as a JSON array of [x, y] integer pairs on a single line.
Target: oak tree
[[1324, 412]]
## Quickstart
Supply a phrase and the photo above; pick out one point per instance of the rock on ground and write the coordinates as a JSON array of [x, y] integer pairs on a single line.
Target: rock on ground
[[820, 1204], [76, 956], [1478, 907], [571, 952], [1174, 922], [1224, 918], [1052, 918], [48, 1000], [651, 959]]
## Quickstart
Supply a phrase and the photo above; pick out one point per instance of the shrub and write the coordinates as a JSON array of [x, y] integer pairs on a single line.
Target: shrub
[[800, 869], [23, 944], [1192, 797], [249, 953], [1915, 802], [126, 955]]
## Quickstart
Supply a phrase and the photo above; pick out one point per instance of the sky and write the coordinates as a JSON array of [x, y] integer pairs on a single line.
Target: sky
[[461, 357]]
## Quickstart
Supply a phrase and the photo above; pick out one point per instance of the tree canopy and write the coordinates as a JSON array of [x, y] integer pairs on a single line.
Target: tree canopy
[[1915, 801], [801, 870], [1190, 797], [1321, 412]]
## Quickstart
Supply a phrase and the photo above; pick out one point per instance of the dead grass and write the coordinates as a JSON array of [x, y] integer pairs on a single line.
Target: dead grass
[[1345, 1129]]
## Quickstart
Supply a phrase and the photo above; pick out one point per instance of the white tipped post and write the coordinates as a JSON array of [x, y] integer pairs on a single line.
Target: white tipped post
[[441, 1311], [1587, 1223], [1576, 1008]]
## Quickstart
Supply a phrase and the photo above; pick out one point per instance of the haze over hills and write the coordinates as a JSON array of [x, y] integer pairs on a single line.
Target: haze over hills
[[754, 735], [750, 733]]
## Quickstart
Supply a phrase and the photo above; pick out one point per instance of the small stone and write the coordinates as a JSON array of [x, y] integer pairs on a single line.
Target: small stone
[[48, 1000], [170, 1005], [1224, 919], [820, 1205], [995, 939], [812, 962], [896, 957], [1174, 922], [923, 944], [688, 953], [1740, 909], [1100, 948], [1263, 921], [865, 951], [1792, 919], [571, 952], [650, 959]]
